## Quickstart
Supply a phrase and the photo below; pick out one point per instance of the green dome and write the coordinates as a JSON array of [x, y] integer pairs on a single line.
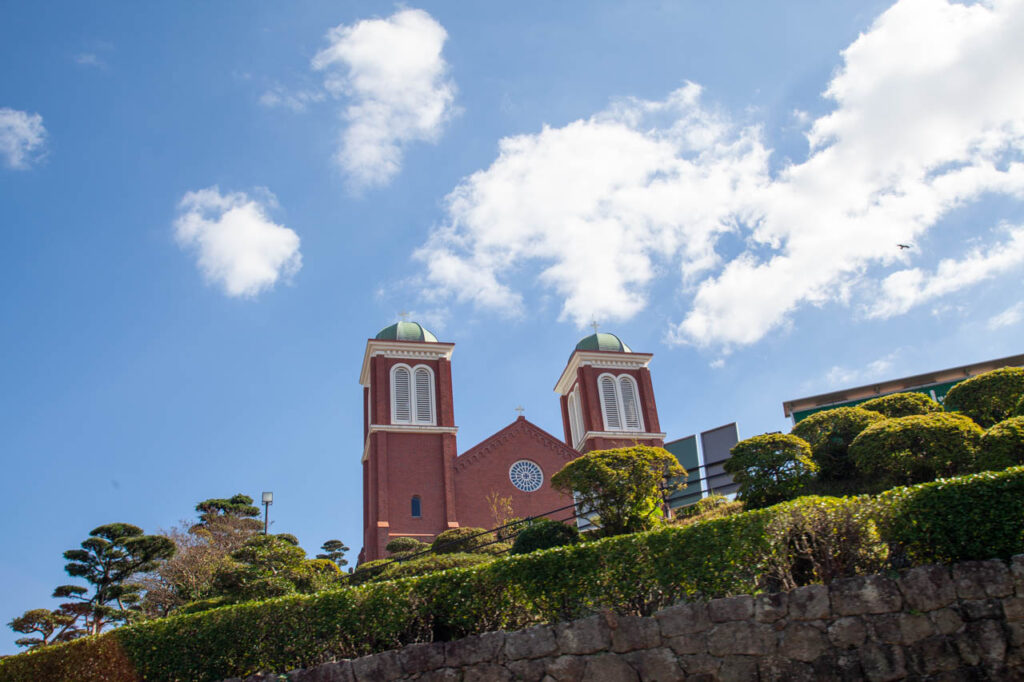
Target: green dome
[[405, 331], [602, 341]]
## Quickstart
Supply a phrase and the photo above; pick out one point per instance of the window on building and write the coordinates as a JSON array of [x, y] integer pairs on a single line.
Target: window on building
[[574, 426], [620, 403], [417, 510], [412, 395]]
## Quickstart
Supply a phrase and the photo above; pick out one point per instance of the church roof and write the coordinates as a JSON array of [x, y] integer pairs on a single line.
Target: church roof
[[521, 426], [406, 331], [602, 341]]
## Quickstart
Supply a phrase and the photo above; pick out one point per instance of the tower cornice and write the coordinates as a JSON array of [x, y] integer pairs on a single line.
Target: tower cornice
[[410, 350], [599, 358]]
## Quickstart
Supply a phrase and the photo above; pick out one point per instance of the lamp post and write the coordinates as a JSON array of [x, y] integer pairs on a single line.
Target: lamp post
[[268, 499]]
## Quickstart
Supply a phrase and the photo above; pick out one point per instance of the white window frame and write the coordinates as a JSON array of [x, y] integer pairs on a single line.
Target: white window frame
[[414, 416], [619, 403]]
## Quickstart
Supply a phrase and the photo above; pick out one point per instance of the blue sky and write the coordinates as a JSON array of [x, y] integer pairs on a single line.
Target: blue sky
[[207, 210]]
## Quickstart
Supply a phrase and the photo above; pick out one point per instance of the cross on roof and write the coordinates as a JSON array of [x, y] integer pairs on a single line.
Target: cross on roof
[[595, 325], [404, 315], [520, 410]]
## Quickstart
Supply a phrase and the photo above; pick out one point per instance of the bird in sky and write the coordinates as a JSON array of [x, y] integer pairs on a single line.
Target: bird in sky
[[903, 246]]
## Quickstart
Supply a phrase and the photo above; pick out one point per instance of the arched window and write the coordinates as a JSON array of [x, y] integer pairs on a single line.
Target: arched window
[[620, 403], [412, 395], [417, 510], [574, 427]]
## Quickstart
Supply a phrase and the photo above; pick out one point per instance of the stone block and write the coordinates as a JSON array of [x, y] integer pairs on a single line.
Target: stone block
[[738, 669], [927, 588], [847, 632], [383, 666], [978, 609], [838, 666], [1013, 608], [771, 607], [1016, 633], [882, 663], [489, 672], [567, 668], [417, 658], [340, 671], [802, 642], [1017, 573], [683, 619], [531, 669], [932, 655], [535, 642], [584, 636], [609, 668], [885, 627], [947, 621], [989, 640], [740, 637], [981, 579], [865, 594], [656, 665], [442, 675], [731, 608], [688, 644], [700, 664], [777, 669], [485, 648], [630, 633], [966, 648], [810, 602], [914, 627]]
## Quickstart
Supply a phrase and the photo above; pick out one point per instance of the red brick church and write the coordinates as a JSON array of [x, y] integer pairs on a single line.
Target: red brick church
[[415, 484]]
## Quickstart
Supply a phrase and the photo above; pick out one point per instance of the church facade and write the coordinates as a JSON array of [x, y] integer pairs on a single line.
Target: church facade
[[415, 484]]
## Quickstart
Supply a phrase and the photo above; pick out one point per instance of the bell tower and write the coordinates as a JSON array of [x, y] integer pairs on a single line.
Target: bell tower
[[408, 437], [607, 397]]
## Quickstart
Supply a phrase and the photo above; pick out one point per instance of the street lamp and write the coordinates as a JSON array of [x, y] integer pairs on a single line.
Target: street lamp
[[268, 499]]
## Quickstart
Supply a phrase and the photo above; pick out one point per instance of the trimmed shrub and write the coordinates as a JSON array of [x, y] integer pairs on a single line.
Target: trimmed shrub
[[918, 448], [714, 506], [405, 545], [544, 534], [366, 571], [1002, 446], [770, 468], [830, 433], [974, 517], [1019, 410], [430, 563], [461, 540], [988, 398], [901, 405]]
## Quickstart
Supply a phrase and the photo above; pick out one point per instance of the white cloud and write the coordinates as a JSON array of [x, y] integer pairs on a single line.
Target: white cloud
[[905, 289], [1009, 317], [843, 376], [396, 82], [602, 207], [237, 245], [22, 136], [89, 59], [297, 101]]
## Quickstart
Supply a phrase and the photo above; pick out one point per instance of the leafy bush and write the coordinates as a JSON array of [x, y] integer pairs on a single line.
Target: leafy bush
[[974, 517], [714, 506], [623, 485], [461, 540], [405, 545], [1002, 446], [988, 398], [918, 448], [544, 534], [1019, 410], [901, 405], [430, 563], [366, 571], [770, 468], [830, 433]]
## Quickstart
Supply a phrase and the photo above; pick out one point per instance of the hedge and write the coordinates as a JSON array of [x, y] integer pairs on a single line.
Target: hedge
[[830, 433], [901, 405], [806, 540], [988, 398], [1003, 445]]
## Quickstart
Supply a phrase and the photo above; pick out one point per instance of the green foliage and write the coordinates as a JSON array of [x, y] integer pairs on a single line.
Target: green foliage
[[108, 558], [830, 433], [901, 405], [770, 468], [430, 563], [214, 511], [624, 486], [714, 506], [51, 626], [405, 545], [544, 534], [1018, 411], [271, 566], [988, 398], [461, 540], [367, 571], [808, 540], [1002, 445], [334, 550], [917, 449]]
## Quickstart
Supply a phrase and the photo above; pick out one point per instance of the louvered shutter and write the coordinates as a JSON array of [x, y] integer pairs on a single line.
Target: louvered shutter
[[579, 414], [574, 427], [610, 404], [424, 404], [630, 404], [403, 408]]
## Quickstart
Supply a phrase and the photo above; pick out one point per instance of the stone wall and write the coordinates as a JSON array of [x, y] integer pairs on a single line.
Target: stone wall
[[932, 622]]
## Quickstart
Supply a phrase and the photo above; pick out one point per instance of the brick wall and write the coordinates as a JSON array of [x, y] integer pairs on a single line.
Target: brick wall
[[932, 622]]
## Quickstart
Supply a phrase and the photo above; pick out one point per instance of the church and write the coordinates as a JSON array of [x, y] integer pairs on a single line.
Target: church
[[415, 484]]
